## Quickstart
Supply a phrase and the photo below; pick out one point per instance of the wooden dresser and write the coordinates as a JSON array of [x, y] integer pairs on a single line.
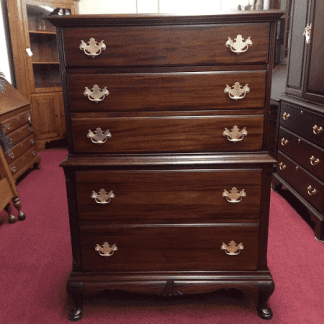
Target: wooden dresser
[[168, 173], [16, 123]]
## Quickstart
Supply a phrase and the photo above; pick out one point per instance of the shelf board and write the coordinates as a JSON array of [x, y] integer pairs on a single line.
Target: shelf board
[[44, 32], [44, 63]]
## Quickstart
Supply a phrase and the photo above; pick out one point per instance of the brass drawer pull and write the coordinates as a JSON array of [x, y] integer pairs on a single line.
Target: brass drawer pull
[[239, 45], [106, 250], [34, 153], [234, 196], [314, 161], [285, 116], [307, 33], [13, 169], [29, 119], [284, 141], [6, 126], [311, 191], [96, 94], [32, 141], [102, 197], [98, 136], [282, 166], [92, 48], [237, 91], [232, 248], [317, 130], [11, 155], [235, 134]]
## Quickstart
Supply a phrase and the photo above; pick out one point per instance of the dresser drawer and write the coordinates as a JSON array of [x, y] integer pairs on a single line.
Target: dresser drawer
[[303, 182], [166, 46], [18, 135], [169, 247], [306, 154], [23, 160], [165, 91], [11, 124], [186, 196], [168, 134], [303, 122], [20, 148]]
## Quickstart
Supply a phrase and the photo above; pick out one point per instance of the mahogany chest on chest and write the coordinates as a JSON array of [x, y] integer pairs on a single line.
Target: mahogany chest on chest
[[168, 173]]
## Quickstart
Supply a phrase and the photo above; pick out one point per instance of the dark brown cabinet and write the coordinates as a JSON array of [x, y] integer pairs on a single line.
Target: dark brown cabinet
[[301, 122]]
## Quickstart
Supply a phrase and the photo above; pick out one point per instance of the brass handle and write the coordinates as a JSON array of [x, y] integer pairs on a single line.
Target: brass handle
[[317, 130], [106, 250], [234, 196], [32, 141], [92, 48], [29, 119], [6, 126], [13, 169], [235, 134], [11, 155], [96, 94], [311, 191], [282, 166], [34, 153], [284, 141], [239, 45], [285, 116], [314, 161], [98, 136], [237, 91], [232, 248], [102, 197], [307, 33]]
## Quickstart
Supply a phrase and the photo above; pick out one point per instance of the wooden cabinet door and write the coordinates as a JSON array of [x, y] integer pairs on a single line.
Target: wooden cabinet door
[[314, 81], [46, 116]]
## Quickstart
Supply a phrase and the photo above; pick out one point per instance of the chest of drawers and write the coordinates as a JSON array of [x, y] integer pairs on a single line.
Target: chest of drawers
[[168, 173]]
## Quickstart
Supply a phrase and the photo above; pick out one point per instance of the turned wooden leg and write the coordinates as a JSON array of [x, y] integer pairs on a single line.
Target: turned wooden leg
[[12, 218], [75, 292], [265, 291], [17, 204]]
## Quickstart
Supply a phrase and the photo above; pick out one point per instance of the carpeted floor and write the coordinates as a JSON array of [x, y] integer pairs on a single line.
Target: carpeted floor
[[36, 261]]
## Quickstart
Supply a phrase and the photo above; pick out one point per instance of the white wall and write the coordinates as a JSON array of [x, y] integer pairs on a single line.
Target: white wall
[[4, 61]]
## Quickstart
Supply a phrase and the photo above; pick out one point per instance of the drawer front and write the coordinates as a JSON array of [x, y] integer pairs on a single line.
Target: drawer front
[[303, 122], [20, 148], [19, 163], [165, 91], [188, 196], [309, 156], [168, 46], [303, 182], [18, 135], [169, 248], [168, 134], [11, 124]]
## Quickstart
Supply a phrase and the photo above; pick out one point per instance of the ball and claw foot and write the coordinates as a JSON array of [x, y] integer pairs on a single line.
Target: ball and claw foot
[[75, 314], [265, 312]]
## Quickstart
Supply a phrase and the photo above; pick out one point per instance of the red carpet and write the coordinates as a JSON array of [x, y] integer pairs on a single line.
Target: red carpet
[[36, 260]]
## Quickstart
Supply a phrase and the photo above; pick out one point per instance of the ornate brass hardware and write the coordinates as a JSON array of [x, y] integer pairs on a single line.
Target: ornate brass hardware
[[239, 45], [285, 116], [235, 135], [92, 48], [313, 160], [284, 141], [102, 197], [311, 191], [317, 130], [96, 94], [232, 248], [282, 166], [34, 153], [13, 169], [307, 33], [6, 126], [29, 119], [98, 136], [32, 141], [237, 91], [234, 196], [11, 155], [106, 250]]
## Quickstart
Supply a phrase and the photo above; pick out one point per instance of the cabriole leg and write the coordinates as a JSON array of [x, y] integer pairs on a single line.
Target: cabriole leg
[[265, 291], [75, 292]]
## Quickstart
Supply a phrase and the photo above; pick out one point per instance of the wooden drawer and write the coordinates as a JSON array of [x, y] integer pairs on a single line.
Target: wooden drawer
[[18, 135], [13, 123], [166, 91], [187, 196], [303, 122], [168, 134], [306, 154], [167, 45], [24, 159], [20, 148], [170, 248], [302, 181]]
